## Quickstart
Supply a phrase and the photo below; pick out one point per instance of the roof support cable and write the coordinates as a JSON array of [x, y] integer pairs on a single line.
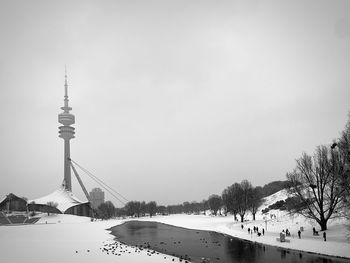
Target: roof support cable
[[102, 184]]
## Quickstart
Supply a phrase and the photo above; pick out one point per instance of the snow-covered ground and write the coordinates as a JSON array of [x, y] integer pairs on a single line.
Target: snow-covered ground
[[66, 238]]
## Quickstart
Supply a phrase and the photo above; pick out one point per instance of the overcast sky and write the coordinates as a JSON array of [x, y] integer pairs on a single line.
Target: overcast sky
[[174, 100]]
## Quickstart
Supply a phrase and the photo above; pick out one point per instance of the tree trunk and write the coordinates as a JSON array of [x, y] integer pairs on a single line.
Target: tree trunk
[[242, 217], [323, 224], [253, 216]]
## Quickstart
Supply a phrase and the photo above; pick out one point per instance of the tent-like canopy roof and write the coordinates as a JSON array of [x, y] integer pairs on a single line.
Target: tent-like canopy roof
[[63, 198]]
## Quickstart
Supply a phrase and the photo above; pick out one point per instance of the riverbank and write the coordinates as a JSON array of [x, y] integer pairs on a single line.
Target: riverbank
[[336, 244]]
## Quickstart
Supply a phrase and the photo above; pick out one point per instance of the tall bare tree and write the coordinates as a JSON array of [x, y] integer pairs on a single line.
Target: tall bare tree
[[236, 198], [152, 208], [315, 184], [106, 210], [132, 208], [143, 208], [244, 195], [229, 201], [215, 203], [254, 200]]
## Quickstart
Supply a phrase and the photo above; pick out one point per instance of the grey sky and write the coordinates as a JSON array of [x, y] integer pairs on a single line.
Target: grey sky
[[174, 100]]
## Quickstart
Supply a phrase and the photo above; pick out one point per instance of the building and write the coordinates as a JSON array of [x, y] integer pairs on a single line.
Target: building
[[63, 200], [97, 197], [13, 210], [12, 202]]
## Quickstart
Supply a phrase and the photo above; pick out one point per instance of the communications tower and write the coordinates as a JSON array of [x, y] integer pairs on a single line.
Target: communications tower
[[66, 132]]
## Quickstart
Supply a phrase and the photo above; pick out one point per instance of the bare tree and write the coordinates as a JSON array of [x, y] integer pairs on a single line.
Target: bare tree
[[152, 208], [254, 200], [204, 205], [229, 201], [242, 196], [215, 203], [106, 210], [237, 195], [131, 208], [143, 208], [187, 207], [161, 210], [137, 206], [314, 183]]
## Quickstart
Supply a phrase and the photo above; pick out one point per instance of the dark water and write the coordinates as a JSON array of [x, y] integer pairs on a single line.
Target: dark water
[[197, 244]]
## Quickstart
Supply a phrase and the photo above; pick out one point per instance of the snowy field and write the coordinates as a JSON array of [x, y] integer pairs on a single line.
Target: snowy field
[[66, 238]]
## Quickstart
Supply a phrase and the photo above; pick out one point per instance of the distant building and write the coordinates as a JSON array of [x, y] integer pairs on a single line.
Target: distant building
[[97, 197], [13, 203]]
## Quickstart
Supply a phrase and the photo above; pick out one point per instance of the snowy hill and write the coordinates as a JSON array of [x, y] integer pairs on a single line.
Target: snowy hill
[[269, 200], [280, 195]]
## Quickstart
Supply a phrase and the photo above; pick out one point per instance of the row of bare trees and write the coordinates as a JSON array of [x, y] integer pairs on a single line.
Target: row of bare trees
[[320, 182], [237, 199], [240, 198], [137, 209]]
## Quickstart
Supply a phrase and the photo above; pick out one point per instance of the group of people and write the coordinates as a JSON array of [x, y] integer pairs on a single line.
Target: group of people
[[255, 229], [287, 233], [315, 233]]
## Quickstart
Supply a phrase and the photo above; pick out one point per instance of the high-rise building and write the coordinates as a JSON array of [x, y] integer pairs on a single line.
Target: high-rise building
[[97, 197]]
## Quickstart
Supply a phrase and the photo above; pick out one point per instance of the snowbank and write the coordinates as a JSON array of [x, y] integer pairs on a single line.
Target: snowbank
[[74, 239]]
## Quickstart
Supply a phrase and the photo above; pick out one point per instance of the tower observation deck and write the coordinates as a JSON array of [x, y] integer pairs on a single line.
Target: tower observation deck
[[66, 132]]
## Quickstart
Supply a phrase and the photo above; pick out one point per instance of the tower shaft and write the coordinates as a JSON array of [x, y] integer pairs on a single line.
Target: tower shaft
[[66, 132], [67, 169]]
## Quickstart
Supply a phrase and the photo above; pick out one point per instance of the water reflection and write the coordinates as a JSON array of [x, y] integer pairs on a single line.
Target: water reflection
[[196, 244]]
